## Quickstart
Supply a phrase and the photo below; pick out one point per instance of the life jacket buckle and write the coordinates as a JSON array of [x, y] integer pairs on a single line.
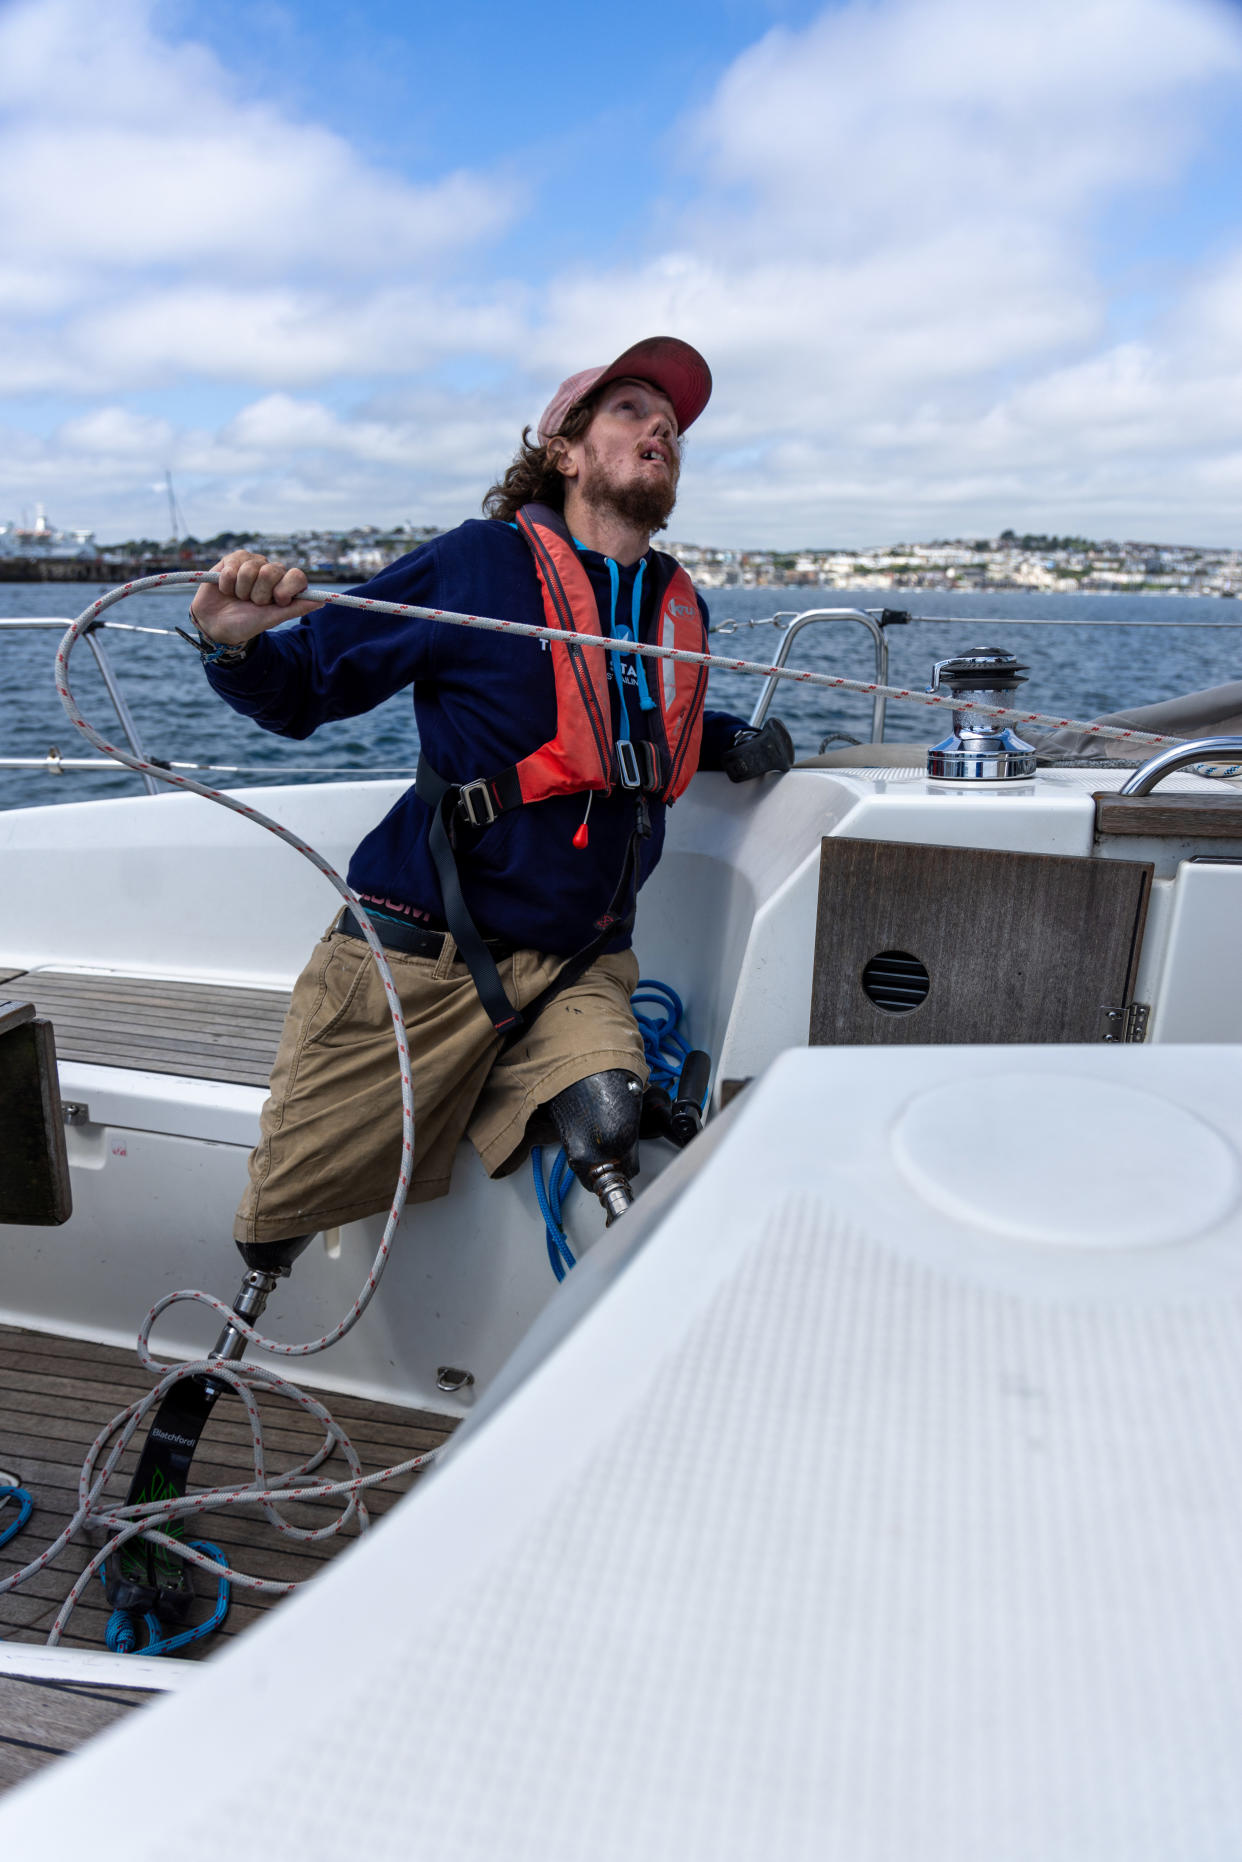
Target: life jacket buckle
[[628, 773], [474, 799], [637, 768]]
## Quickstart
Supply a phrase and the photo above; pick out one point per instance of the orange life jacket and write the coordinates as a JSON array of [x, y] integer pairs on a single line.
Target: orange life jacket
[[582, 755]]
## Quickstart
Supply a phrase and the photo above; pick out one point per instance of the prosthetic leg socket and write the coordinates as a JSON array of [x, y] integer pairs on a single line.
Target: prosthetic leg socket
[[597, 1121]]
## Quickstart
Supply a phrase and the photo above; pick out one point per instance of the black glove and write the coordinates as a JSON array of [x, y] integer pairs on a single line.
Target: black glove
[[765, 752]]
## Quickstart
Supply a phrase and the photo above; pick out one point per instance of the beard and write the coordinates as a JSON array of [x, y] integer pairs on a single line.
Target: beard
[[646, 505]]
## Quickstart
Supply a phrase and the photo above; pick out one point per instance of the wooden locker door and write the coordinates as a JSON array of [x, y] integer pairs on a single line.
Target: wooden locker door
[[936, 945]]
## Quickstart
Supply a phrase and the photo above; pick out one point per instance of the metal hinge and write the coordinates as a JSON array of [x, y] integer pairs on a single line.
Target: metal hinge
[[1128, 1023]]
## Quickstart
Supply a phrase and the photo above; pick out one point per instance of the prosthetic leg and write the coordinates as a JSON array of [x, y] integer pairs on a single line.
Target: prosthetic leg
[[144, 1578], [597, 1121]]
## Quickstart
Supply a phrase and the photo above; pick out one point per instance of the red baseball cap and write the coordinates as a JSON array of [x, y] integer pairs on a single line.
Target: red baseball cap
[[666, 362]]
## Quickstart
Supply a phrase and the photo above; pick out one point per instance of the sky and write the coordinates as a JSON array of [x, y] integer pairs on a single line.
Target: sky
[[956, 266]]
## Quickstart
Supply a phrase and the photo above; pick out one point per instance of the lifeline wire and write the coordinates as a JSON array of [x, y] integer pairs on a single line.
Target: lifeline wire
[[125, 1523]]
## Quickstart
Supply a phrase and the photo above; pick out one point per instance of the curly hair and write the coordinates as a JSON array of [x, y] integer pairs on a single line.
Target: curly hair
[[533, 478]]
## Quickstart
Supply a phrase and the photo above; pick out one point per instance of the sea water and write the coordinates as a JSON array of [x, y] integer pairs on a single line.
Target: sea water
[[1077, 670]]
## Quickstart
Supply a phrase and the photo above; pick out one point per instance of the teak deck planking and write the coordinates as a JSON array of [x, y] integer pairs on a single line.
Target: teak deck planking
[[55, 1395], [207, 1031]]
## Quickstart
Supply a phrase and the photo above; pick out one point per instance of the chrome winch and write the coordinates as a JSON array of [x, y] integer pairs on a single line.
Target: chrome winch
[[978, 750]]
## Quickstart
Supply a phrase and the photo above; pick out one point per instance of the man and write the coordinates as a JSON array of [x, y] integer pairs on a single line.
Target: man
[[503, 884]]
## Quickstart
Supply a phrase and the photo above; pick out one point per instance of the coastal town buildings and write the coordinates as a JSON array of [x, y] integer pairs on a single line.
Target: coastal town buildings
[[1053, 565], [1046, 564]]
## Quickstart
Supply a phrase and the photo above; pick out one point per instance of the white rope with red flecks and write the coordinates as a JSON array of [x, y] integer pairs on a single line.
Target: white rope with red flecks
[[123, 1523], [682, 655]]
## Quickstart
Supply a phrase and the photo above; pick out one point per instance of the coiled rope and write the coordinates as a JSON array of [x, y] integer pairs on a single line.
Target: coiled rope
[[659, 1012], [121, 1634], [123, 1523]]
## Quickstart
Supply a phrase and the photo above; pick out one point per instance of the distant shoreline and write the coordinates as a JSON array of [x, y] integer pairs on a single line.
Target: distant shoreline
[[113, 574]]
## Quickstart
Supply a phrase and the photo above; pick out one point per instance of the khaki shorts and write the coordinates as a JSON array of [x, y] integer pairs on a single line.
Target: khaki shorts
[[330, 1141]]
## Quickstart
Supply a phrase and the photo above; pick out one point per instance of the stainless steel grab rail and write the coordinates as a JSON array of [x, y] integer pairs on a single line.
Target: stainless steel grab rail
[[1200, 750], [811, 617], [122, 710]]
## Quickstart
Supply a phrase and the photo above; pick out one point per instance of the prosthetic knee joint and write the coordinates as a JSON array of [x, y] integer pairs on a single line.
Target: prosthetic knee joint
[[597, 1121]]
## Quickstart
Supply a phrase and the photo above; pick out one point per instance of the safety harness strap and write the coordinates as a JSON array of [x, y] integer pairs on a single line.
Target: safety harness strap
[[449, 802], [444, 799]]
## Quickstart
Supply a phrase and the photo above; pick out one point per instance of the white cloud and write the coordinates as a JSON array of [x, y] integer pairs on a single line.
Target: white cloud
[[35, 288], [877, 117], [281, 460], [892, 261], [281, 334], [114, 137], [115, 433], [936, 331], [155, 223]]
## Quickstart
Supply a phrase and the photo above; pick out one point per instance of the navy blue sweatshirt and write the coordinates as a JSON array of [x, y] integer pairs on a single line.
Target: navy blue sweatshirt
[[482, 702]]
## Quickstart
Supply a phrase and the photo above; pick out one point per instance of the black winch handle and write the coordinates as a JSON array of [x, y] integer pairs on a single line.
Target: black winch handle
[[686, 1121]]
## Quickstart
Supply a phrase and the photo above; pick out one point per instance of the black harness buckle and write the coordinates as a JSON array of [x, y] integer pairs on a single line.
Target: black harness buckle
[[628, 773], [638, 768], [474, 799]]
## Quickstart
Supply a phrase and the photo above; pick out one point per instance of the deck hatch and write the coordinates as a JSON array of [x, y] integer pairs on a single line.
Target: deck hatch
[[1015, 946]]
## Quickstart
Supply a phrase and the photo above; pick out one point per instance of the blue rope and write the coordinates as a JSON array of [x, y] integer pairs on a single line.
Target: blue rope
[[25, 1507], [658, 1010], [551, 1197], [121, 1635]]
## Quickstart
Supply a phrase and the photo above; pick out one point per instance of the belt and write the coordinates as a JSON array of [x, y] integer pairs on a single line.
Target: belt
[[412, 940]]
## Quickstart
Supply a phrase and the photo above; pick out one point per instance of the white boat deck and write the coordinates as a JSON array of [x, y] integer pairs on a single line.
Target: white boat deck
[[873, 1496], [866, 1492]]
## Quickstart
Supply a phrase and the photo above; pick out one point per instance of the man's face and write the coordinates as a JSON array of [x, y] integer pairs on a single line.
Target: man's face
[[629, 458]]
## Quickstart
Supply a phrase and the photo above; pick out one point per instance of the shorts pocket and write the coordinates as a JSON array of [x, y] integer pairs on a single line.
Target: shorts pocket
[[345, 976]]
